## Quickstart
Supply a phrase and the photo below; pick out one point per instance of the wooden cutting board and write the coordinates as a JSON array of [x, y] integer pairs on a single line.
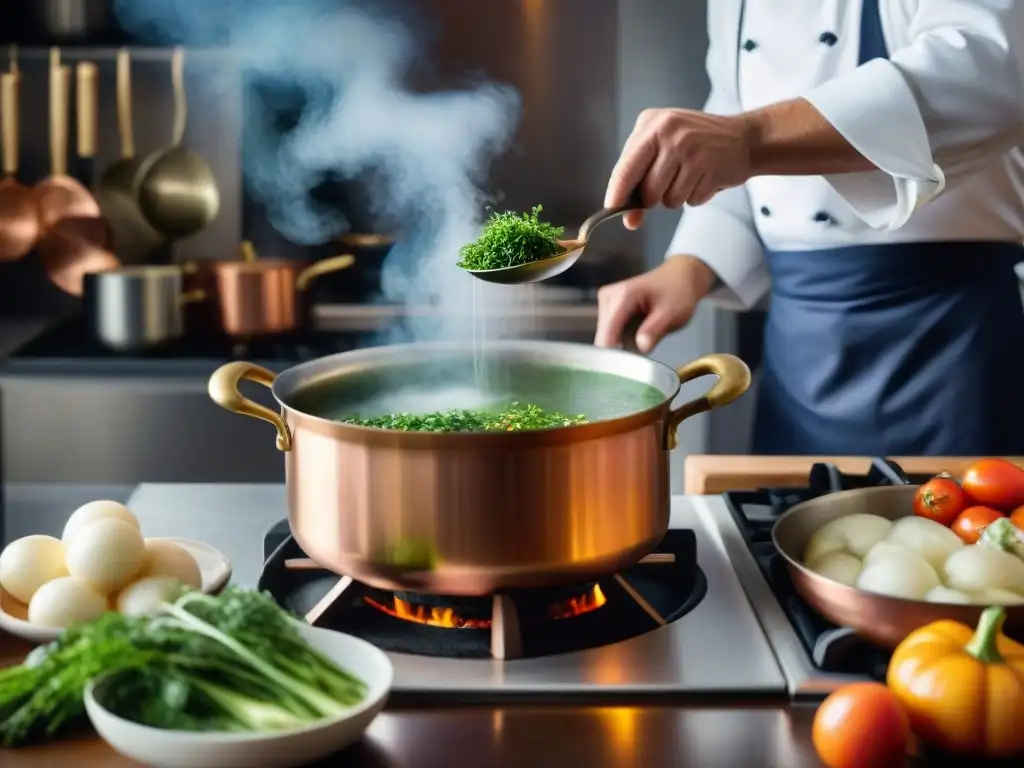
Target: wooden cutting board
[[716, 474]]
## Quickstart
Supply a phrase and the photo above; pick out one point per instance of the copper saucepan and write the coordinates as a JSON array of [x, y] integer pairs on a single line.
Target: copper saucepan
[[261, 297], [883, 620], [476, 513]]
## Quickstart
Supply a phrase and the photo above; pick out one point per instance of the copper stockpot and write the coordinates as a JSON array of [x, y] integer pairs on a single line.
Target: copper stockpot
[[884, 621], [494, 511], [260, 297]]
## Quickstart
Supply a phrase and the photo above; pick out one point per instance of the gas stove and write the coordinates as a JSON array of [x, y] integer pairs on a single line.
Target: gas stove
[[675, 625], [815, 655]]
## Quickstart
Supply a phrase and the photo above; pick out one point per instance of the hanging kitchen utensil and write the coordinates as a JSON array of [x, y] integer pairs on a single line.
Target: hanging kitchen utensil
[[261, 297], [479, 513], [75, 237], [543, 269], [59, 196], [138, 308], [176, 189], [134, 240], [19, 222]]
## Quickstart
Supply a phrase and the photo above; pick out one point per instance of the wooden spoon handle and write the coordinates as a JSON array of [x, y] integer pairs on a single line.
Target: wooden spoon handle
[[60, 82], [180, 99], [124, 104], [9, 114], [87, 107]]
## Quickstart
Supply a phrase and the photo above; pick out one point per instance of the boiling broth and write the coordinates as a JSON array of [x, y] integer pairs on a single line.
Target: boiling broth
[[422, 389]]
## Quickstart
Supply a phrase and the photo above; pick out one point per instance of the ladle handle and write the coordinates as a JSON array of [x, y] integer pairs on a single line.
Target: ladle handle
[[634, 203], [180, 99], [12, 59], [60, 83], [86, 108], [9, 116], [124, 104]]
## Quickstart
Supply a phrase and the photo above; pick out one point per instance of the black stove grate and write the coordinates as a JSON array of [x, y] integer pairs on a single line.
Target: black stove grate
[[671, 589], [832, 649]]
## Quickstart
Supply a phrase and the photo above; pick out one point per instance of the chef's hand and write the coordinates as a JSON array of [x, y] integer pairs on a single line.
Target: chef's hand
[[665, 298], [679, 156]]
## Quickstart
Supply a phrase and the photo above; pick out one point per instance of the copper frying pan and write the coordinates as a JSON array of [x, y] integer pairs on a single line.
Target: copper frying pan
[[882, 620], [19, 224], [76, 239]]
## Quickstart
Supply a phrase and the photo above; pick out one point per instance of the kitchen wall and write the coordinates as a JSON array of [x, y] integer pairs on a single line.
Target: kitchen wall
[[585, 69]]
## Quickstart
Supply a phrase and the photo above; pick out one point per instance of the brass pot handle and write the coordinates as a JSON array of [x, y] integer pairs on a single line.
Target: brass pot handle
[[223, 389], [733, 380], [323, 267]]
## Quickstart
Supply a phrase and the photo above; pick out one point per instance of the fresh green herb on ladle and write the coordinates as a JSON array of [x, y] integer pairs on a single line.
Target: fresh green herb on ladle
[[515, 418], [511, 239]]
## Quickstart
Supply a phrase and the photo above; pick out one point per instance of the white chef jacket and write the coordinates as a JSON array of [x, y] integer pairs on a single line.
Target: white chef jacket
[[942, 119]]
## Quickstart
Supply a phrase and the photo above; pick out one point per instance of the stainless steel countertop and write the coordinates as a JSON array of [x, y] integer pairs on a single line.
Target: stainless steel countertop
[[717, 649]]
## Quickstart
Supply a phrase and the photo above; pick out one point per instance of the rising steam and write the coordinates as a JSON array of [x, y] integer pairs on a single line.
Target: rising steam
[[429, 152]]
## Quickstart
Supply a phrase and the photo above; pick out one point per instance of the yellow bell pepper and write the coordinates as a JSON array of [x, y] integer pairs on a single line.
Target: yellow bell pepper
[[963, 690]]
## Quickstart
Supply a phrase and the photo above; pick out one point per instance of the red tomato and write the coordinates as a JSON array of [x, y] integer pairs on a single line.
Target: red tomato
[[1017, 518], [995, 483], [861, 725], [940, 499], [972, 521]]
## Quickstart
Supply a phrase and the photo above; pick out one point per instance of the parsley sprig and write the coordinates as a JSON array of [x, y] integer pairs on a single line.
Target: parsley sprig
[[511, 239]]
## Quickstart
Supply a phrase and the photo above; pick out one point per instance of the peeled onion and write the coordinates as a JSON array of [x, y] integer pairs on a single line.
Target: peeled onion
[[64, 601], [942, 594], [97, 510], [28, 563], [107, 554], [838, 566], [165, 558], [140, 598], [905, 575], [854, 534], [886, 549], [932, 541], [980, 567]]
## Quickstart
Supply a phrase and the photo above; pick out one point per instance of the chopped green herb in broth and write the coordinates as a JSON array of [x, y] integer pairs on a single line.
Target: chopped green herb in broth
[[511, 239], [515, 418]]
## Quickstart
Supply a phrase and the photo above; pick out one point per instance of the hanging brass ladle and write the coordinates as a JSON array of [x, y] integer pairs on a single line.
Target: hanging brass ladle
[[543, 269]]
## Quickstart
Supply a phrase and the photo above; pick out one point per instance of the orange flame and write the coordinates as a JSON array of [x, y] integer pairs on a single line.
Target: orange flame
[[439, 616]]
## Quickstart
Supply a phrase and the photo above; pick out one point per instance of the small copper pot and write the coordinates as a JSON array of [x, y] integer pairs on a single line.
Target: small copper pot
[[260, 297]]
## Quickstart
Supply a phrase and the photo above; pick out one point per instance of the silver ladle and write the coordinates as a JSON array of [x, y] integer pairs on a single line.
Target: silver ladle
[[542, 269]]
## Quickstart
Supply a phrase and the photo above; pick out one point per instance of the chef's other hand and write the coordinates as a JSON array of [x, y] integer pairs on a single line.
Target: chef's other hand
[[665, 298], [679, 156]]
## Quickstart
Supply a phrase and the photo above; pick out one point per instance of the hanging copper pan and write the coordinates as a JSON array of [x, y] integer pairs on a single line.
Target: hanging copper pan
[[76, 239]]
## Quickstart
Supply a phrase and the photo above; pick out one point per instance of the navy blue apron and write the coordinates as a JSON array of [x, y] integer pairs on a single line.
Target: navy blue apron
[[893, 349]]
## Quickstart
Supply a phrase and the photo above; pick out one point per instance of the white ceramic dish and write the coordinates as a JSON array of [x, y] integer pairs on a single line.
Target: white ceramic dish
[[213, 565], [281, 749]]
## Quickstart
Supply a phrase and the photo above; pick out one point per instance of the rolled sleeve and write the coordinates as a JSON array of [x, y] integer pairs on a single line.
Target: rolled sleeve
[[723, 238], [940, 109]]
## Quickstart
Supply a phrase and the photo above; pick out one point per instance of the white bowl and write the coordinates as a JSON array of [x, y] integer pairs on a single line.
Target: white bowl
[[214, 567], [278, 749]]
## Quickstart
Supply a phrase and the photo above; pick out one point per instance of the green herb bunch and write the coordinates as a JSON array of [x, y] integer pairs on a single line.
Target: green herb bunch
[[510, 239], [235, 662], [512, 419]]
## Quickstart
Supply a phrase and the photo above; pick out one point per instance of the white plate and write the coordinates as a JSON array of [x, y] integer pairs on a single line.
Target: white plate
[[281, 749], [213, 565]]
